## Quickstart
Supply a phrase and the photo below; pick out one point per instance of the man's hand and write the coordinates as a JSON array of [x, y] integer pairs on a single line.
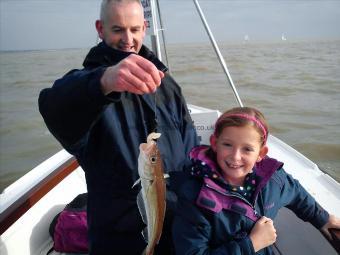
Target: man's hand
[[263, 233], [133, 74]]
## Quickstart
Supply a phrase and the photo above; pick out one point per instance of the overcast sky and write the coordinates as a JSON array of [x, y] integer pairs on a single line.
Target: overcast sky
[[54, 24]]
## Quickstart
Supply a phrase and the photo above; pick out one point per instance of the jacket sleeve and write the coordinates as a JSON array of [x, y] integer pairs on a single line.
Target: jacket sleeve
[[192, 235], [72, 105], [297, 199]]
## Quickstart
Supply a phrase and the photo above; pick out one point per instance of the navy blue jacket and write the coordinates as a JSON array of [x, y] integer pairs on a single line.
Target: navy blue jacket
[[104, 134], [212, 220]]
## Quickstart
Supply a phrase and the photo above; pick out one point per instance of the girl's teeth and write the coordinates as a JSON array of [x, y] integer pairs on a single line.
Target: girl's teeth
[[233, 166]]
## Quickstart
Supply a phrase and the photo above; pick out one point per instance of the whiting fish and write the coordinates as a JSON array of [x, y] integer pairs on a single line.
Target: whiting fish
[[151, 198]]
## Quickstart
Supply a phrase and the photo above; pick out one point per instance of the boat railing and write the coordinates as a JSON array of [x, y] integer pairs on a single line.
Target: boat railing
[[19, 197]]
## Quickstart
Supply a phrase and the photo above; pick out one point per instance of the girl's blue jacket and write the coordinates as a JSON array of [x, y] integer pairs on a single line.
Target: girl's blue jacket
[[211, 220]]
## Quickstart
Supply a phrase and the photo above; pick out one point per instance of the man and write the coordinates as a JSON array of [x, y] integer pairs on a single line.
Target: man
[[103, 112]]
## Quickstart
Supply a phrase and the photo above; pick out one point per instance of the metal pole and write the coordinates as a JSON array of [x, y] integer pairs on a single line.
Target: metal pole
[[163, 35], [155, 37], [218, 53]]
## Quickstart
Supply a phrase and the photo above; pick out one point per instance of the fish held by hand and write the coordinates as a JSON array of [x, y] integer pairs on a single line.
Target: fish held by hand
[[151, 199]]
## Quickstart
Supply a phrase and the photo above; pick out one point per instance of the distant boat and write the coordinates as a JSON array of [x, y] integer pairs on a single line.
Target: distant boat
[[246, 39], [283, 38]]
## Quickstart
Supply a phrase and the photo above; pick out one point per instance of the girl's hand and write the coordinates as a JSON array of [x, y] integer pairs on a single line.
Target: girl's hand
[[333, 222], [263, 234]]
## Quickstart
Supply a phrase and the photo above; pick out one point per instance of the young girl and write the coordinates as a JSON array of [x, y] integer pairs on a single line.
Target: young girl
[[227, 203]]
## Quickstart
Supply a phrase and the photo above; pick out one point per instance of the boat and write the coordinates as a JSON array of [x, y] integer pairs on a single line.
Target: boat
[[283, 38], [28, 206], [246, 39]]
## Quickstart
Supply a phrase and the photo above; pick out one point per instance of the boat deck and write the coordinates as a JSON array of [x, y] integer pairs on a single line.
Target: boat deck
[[298, 237]]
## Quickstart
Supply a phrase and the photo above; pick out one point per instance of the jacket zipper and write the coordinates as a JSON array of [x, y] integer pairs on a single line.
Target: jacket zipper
[[234, 195]]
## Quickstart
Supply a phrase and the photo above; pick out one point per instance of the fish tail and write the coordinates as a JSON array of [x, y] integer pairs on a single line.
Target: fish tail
[[148, 251]]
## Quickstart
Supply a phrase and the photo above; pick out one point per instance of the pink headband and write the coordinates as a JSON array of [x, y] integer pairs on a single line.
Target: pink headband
[[248, 117]]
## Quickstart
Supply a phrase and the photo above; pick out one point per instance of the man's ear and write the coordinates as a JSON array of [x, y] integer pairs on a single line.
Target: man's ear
[[100, 29], [263, 153], [213, 142]]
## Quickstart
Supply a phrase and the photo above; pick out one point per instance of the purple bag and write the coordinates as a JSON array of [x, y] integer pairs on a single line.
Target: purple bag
[[69, 228]]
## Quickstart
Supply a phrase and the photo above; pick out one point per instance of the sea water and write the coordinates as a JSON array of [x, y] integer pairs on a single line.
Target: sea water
[[295, 84]]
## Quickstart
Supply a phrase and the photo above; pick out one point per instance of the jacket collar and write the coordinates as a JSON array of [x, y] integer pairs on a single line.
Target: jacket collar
[[103, 55], [265, 169]]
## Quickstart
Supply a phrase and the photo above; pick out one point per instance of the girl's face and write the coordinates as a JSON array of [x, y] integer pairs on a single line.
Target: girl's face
[[237, 150]]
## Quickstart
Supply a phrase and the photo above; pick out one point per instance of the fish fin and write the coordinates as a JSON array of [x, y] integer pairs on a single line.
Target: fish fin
[[142, 212], [136, 182], [141, 207], [145, 234]]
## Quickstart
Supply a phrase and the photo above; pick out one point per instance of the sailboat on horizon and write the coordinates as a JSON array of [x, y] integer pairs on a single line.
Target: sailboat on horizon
[[283, 38], [246, 38]]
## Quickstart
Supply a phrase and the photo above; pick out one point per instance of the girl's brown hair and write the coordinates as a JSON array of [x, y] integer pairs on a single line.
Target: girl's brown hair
[[240, 117]]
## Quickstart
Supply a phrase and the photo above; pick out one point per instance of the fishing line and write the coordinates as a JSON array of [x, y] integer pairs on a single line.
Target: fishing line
[[155, 111]]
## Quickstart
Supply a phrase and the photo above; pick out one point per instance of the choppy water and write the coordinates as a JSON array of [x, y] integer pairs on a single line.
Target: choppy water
[[295, 84]]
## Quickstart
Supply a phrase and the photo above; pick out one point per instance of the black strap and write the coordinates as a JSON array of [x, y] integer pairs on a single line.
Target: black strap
[[50, 250]]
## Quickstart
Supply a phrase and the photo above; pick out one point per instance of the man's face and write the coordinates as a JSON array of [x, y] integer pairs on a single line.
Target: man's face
[[124, 27]]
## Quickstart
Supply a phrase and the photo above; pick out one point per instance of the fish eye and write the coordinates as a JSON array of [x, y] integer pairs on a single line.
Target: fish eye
[[153, 159]]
